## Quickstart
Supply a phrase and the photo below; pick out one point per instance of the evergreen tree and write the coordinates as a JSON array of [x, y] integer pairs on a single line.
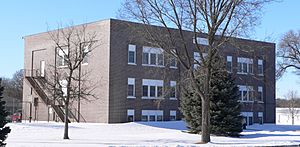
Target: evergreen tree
[[3, 114], [191, 109], [226, 119]]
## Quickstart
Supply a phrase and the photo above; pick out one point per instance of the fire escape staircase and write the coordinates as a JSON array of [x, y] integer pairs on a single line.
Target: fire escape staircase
[[37, 82]]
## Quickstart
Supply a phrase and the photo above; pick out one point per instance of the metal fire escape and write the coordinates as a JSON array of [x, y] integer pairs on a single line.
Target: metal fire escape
[[37, 83]]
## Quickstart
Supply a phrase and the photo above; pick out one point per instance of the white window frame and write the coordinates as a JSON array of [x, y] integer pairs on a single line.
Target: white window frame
[[201, 41], [261, 114], [63, 84], [248, 62], [157, 52], [131, 81], [156, 83], [173, 56], [247, 115], [260, 89], [229, 59], [130, 112], [260, 62], [131, 48], [173, 113], [173, 85], [155, 113], [197, 59], [61, 54], [85, 50], [248, 89]]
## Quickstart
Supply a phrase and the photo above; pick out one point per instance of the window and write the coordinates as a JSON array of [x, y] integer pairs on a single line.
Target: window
[[130, 115], [248, 116], [260, 93], [62, 56], [260, 67], [202, 41], [197, 58], [131, 54], [145, 91], [85, 52], [260, 117], [63, 84], [172, 59], [144, 118], [229, 64], [245, 65], [172, 115], [159, 118], [152, 115], [145, 58], [153, 56], [246, 93], [172, 90], [131, 88], [152, 89]]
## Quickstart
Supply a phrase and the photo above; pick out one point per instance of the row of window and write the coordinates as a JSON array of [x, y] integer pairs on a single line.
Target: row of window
[[245, 65], [150, 115], [151, 57], [62, 56], [248, 94], [248, 117], [151, 89]]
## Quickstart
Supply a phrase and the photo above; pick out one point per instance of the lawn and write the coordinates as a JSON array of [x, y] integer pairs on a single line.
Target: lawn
[[44, 134]]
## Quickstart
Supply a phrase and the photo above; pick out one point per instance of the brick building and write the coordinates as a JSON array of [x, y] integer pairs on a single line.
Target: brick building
[[133, 75]]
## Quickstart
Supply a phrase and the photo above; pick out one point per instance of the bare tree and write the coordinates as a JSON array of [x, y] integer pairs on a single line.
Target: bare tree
[[219, 20], [292, 97], [289, 53], [66, 81]]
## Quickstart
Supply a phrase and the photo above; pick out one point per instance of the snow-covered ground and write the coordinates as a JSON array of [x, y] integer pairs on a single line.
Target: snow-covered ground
[[44, 134]]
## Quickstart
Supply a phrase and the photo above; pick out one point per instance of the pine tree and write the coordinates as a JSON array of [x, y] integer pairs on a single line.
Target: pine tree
[[226, 119], [191, 109], [3, 114]]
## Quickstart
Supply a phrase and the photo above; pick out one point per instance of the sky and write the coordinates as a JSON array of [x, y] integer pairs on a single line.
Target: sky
[[20, 18]]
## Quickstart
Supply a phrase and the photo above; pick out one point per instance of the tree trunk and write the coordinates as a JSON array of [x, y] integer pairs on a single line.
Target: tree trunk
[[205, 128], [66, 131]]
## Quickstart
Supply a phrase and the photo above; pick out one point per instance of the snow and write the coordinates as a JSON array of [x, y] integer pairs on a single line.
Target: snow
[[44, 134]]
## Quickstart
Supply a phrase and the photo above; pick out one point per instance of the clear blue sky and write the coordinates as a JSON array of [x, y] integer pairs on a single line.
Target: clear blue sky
[[20, 18]]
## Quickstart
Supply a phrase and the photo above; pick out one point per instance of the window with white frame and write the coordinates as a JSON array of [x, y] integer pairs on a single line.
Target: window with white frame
[[248, 116], [62, 54], [152, 89], [245, 65], [172, 59], [131, 54], [200, 40], [246, 93], [131, 88], [130, 115], [229, 63], [172, 115], [260, 67], [173, 90], [260, 117], [85, 54], [260, 93], [152, 56], [152, 115], [197, 59], [63, 84]]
